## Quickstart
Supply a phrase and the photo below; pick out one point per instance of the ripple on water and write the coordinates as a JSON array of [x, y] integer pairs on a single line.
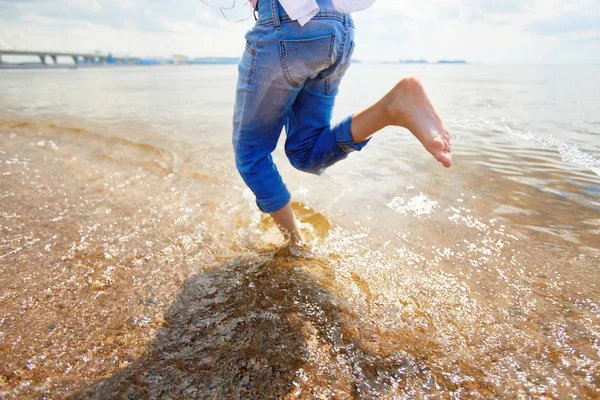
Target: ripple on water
[[132, 275]]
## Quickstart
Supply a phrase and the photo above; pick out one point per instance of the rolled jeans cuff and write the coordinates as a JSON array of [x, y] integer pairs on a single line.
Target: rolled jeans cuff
[[274, 203], [343, 137]]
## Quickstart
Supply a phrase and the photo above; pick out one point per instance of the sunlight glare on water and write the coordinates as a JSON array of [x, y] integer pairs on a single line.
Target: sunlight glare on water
[[135, 264]]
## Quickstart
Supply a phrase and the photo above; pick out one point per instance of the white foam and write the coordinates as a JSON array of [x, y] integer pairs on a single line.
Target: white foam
[[568, 152], [419, 205]]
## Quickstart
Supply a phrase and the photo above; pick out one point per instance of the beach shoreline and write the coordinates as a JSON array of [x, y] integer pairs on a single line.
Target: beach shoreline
[[131, 255]]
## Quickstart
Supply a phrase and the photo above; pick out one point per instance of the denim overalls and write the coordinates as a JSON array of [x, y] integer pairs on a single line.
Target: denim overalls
[[289, 76]]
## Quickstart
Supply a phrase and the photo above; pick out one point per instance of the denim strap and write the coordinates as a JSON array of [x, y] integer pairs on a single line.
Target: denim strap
[[275, 14]]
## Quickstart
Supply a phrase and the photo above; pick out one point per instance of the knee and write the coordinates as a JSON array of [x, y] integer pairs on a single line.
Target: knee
[[303, 163]]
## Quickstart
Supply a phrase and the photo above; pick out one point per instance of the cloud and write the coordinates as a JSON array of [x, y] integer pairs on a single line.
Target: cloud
[[136, 27], [564, 24], [513, 31], [500, 7], [143, 15], [477, 10]]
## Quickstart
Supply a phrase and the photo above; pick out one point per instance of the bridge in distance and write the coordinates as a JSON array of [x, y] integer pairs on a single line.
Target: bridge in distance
[[78, 58]]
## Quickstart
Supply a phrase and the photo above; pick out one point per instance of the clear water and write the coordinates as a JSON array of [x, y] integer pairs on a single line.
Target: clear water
[[134, 264]]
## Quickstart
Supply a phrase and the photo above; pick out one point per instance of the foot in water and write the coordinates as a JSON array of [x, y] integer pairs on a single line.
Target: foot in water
[[295, 249], [408, 106]]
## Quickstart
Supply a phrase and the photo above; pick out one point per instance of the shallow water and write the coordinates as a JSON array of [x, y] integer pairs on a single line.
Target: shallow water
[[134, 263]]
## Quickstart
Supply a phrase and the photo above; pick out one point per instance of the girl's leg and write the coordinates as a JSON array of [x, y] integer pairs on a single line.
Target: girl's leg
[[313, 145], [286, 221], [406, 105]]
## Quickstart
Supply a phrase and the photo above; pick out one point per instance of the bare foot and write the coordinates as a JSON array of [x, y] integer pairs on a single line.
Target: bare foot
[[408, 106], [295, 249]]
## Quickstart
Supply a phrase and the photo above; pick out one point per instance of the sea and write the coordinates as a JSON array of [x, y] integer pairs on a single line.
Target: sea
[[134, 263]]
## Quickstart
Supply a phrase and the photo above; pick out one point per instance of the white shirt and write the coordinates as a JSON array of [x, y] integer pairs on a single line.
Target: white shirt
[[304, 10]]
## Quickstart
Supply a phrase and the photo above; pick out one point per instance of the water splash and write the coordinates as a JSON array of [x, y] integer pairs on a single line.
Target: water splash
[[569, 153], [418, 205]]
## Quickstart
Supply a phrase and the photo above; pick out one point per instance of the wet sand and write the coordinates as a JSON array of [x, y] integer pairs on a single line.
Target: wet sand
[[134, 262], [124, 275]]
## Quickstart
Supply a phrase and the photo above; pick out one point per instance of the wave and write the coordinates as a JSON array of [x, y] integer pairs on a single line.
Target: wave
[[569, 153], [103, 144]]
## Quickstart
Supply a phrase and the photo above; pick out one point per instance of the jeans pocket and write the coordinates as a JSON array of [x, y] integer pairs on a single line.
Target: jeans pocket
[[332, 83], [303, 59], [246, 64]]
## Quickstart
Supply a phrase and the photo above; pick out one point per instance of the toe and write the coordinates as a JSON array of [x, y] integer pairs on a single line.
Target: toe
[[445, 159], [437, 144]]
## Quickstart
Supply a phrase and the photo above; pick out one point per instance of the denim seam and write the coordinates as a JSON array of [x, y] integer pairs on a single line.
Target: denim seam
[[278, 194], [252, 62], [246, 89], [274, 9], [342, 69], [251, 73], [284, 66], [328, 90], [347, 146], [286, 19], [286, 71], [332, 152], [331, 45]]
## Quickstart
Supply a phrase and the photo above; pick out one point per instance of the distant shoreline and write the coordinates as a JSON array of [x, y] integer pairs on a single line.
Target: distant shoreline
[[449, 61], [93, 66]]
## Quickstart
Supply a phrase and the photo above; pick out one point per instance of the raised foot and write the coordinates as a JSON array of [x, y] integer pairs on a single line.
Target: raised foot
[[408, 106]]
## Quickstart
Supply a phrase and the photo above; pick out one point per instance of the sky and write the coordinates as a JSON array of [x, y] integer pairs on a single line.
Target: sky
[[480, 31]]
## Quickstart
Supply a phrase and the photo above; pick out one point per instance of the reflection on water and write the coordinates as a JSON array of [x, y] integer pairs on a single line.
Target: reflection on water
[[133, 262]]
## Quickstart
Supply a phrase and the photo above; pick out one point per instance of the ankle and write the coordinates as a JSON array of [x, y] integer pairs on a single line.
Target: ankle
[[390, 110], [396, 102], [296, 238]]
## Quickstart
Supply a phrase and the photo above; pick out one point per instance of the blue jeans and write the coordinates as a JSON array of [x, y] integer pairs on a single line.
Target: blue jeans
[[289, 76]]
